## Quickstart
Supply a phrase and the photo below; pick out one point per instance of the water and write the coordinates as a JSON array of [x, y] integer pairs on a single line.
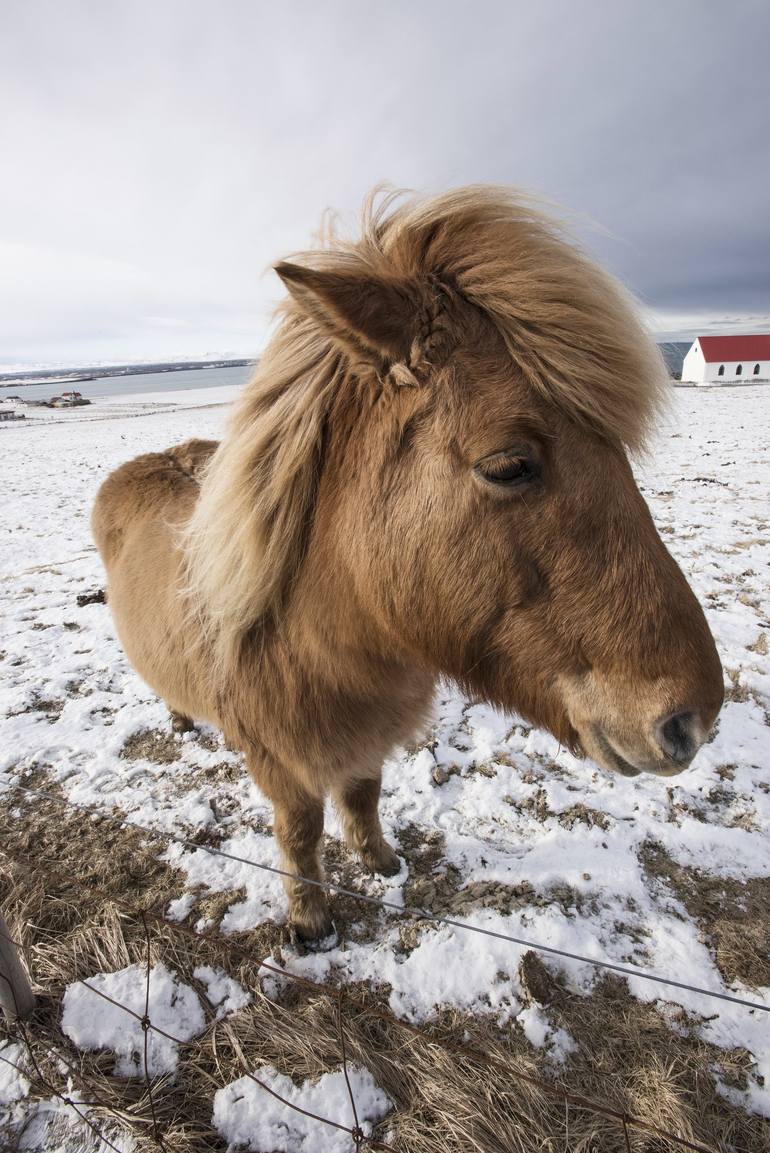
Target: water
[[137, 382]]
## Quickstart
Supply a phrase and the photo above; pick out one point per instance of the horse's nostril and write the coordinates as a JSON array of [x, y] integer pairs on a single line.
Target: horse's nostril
[[679, 736]]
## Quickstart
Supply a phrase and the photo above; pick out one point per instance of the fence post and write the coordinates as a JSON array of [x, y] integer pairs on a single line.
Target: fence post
[[16, 996]]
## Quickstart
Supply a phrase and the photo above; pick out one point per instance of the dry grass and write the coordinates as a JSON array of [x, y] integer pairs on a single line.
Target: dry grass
[[627, 1054], [733, 916], [760, 645]]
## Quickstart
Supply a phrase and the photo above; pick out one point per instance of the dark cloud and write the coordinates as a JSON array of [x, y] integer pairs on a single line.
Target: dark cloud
[[157, 158]]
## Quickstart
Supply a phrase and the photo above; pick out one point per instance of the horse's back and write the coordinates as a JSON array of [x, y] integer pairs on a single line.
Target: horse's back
[[156, 484], [138, 514]]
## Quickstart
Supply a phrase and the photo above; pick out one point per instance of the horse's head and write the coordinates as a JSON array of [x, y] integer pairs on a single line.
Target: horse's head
[[476, 492]]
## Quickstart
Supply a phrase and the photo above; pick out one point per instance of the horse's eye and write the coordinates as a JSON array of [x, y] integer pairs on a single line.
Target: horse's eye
[[506, 469]]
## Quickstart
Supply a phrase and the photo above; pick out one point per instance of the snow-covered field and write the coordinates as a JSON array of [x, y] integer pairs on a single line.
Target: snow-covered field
[[522, 838]]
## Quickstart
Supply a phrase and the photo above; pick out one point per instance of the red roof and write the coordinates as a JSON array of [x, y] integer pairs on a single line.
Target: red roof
[[735, 347]]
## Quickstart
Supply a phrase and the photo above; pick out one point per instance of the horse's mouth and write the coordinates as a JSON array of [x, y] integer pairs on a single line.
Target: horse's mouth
[[613, 758]]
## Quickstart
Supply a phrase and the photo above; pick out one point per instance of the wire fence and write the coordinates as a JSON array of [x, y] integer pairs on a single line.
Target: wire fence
[[19, 1028]]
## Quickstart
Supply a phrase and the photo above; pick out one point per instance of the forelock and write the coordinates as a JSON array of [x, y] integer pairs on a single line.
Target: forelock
[[572, 330]]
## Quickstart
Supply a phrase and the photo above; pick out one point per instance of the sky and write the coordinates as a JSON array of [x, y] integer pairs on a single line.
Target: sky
[[157, 158]]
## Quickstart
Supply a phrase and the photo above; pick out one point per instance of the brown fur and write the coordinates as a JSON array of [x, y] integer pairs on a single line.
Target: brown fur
[[303, 584]]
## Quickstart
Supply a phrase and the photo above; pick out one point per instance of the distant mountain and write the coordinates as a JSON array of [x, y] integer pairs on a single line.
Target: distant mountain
[[674, 352]]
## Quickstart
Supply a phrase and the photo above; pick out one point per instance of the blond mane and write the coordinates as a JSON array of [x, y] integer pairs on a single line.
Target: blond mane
[[569, 327]]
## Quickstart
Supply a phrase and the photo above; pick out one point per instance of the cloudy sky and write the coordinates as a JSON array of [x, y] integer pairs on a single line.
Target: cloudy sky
[[157, 157]]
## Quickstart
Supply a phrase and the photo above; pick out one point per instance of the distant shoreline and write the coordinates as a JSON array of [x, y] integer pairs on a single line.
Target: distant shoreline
[[672, 352], [96, 372]]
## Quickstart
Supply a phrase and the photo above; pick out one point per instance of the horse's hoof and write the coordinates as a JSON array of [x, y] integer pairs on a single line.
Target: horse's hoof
[[182, 724], [386, 863], [318, 944]]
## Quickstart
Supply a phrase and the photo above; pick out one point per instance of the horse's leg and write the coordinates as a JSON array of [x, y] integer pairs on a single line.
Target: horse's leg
[[357, 802], [180, 723], [298, 825], [298, 821]]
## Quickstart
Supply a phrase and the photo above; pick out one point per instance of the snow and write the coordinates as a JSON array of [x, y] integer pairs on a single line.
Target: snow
[[512, 809], [224, 993], [182, 397], [220, 874], [93, 1023], [541, 1033], [13, 1085], [246, 1116]]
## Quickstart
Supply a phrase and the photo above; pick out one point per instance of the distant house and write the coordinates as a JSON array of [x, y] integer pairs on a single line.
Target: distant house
[[67, 400], [726, 359], [9, 414]]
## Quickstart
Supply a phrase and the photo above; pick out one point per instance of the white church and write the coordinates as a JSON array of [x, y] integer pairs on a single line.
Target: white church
[[727, 359]]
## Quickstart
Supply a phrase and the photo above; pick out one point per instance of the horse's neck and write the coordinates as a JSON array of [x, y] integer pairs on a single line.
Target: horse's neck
[[334, 670], [329, 635], [314, 698]]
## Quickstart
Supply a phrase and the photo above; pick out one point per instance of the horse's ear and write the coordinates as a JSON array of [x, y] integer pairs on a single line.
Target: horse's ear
[[378, 314]]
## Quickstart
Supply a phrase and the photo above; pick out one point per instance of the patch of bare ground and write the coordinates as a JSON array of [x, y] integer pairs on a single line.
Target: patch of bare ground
[[152, 745], [733, 916], [68, 882], [164, 747], [536, 805], [52, 708]]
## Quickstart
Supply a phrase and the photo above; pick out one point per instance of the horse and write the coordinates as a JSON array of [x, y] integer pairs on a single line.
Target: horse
[[427, 477]]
